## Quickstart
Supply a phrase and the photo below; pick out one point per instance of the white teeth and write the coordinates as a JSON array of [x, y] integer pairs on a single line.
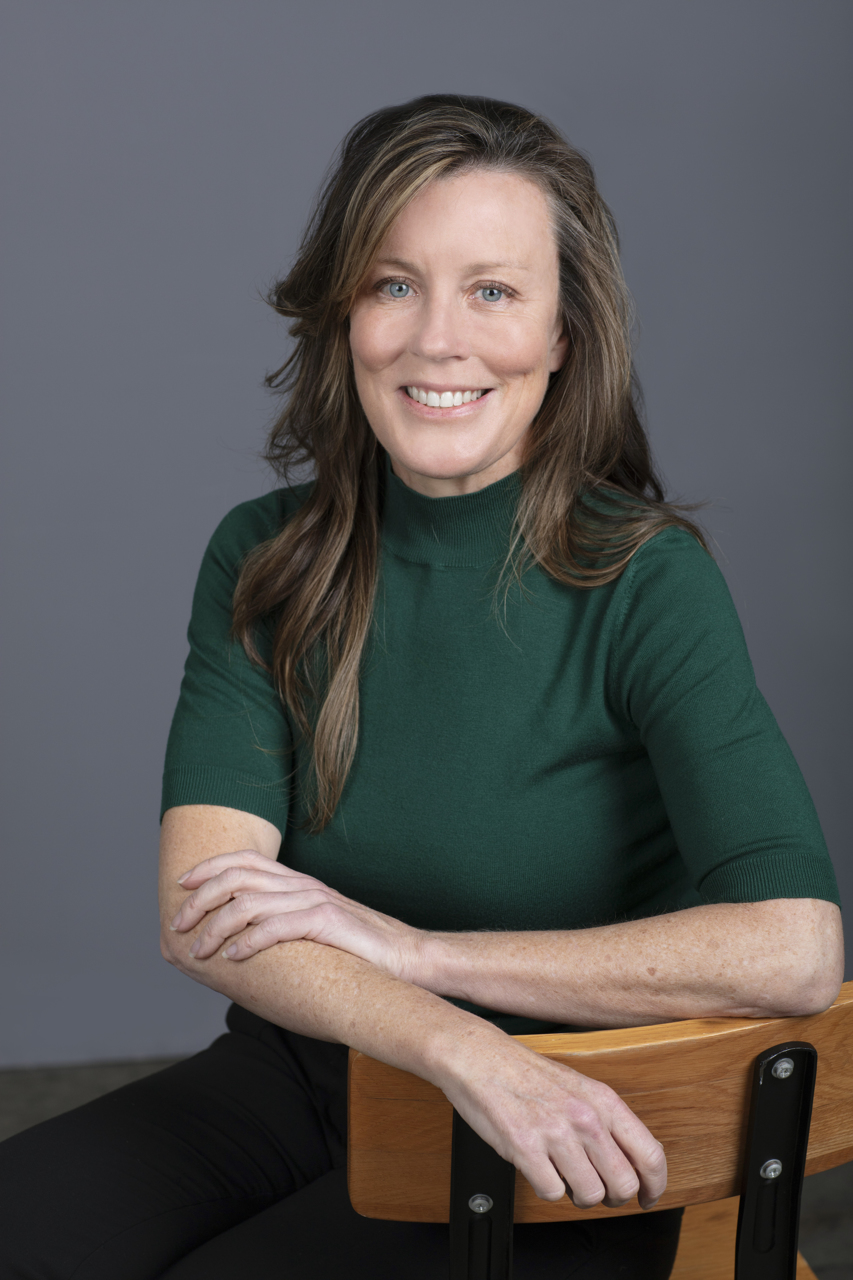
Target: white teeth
[[444, 399]]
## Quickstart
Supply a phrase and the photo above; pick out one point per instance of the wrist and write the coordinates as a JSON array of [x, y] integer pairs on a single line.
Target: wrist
[[426, 963], [416, 963], [419, 1032], [452, 1050]]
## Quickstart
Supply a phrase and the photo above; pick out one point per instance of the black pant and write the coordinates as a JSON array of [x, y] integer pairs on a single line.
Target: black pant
[[232, 1164]]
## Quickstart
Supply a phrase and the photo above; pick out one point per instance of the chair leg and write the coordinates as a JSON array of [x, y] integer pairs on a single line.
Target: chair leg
[[482, 1202], [780, 1115]]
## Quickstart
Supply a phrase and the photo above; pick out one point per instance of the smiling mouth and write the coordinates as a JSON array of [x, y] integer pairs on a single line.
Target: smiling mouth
[[444, 399]]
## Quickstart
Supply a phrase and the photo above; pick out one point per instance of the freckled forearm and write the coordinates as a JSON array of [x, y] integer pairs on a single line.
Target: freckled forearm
[[723, 960], [307, 987], [328, 994]]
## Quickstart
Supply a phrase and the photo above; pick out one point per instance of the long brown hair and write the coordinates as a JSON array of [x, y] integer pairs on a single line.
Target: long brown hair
[[590, 495]]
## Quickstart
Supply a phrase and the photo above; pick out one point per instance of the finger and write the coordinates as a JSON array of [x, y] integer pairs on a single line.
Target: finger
[[545, 1179], [600, 1176], [225, 885], [215, 893], [291, 927], [530, 1156], [610, 1178], [652, 1178], [235, 916], [646, 1155], [625, 1155], [221, 861], [616, 1181], [580, 1178], [255, 909]]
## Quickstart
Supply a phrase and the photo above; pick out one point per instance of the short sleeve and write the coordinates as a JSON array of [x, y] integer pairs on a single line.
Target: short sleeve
[[740, 811], [230, 740]]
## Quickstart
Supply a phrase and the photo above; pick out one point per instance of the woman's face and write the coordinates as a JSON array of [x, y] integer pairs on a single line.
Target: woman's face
[[460, 309]]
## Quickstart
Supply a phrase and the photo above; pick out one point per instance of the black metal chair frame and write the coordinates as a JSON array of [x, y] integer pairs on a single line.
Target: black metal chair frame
[[482, 1185]]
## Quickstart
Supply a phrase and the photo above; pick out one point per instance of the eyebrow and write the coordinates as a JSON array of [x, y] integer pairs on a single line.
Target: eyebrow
[[474, 269]]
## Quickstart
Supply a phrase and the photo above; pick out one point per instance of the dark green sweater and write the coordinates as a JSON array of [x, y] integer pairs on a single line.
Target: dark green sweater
[[578, 757]]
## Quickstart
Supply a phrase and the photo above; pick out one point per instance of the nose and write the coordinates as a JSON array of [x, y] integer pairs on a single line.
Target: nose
[[441, 333]]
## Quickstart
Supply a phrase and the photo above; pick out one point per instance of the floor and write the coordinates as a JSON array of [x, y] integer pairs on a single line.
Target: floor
[[30, 1095]]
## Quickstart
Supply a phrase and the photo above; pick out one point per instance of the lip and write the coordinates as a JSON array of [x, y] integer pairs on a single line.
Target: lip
[[454, 410]]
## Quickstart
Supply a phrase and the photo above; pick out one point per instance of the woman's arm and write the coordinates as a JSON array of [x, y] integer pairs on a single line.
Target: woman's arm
[[778, 958], [781, 958], [305, 987], [551, 1122]]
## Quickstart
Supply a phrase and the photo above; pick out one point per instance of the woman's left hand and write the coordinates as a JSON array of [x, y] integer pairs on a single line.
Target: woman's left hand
[[253, 902]]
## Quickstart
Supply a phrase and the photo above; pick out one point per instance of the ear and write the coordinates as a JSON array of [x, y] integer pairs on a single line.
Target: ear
[[559, 351]]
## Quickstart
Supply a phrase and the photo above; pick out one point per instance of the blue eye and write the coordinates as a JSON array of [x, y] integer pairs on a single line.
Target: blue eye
[[491, 293], [397, 289]]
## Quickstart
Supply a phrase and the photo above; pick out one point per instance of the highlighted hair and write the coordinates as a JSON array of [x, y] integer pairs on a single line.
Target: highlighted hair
[[590, 495]]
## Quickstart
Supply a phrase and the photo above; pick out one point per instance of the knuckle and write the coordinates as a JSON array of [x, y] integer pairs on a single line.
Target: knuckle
[[527, 1147], [265, 928], [587, 1121], [608, 1100], [599, 1090], [623, 1112], [587, 1199]]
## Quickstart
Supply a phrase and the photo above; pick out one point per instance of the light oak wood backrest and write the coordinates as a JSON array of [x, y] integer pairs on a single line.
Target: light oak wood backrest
[[688, 1081]]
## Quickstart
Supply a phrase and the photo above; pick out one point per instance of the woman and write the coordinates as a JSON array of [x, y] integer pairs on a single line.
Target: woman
[[468, 744]]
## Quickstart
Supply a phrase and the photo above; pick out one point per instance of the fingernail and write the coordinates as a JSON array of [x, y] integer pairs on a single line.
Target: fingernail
[[232, 951], [176, 921], [182, 878], [194, 948]]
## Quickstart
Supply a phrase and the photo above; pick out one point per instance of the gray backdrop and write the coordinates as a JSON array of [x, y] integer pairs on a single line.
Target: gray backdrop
[[160, 161]]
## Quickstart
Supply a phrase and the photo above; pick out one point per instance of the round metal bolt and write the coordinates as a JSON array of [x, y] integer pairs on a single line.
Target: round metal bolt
[[783, 1068], [481, 1203], [771, 1169]]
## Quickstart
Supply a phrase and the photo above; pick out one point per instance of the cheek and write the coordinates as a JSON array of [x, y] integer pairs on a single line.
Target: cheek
[[521, 352], [375, 340]]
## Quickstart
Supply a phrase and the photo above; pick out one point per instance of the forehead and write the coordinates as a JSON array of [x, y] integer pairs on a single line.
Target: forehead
[[480, 216]]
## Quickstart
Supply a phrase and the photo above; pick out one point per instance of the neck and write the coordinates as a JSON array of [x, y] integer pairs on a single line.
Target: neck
[[460, 529], [455, 486]]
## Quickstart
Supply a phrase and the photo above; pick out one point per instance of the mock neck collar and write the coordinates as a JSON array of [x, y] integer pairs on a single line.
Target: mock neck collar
[[472, 529]]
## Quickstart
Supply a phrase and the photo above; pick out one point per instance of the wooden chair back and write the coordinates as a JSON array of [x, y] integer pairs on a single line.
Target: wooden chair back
[[689, 1082]]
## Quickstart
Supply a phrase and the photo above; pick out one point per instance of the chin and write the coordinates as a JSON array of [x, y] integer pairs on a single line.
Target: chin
[[444, 458], [455, 467]]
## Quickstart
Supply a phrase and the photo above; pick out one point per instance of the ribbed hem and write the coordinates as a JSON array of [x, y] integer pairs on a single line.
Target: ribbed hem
[[207, 784], [761, 876]]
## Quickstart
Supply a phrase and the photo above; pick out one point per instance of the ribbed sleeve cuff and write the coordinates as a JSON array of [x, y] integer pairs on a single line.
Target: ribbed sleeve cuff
[[761, 876], [207, 784]]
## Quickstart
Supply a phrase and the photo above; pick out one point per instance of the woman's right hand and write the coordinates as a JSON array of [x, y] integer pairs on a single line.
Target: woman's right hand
[[562, 1130]]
